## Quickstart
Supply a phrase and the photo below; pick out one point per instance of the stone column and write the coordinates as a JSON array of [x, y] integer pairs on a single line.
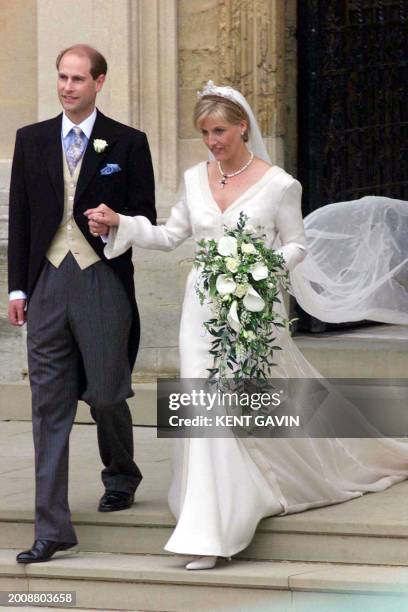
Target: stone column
[[18, 106], [154, 86], [18, 93], [18, 70], [160, 277]]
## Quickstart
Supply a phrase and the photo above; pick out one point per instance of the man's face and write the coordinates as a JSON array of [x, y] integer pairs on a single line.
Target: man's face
[[76, 87]]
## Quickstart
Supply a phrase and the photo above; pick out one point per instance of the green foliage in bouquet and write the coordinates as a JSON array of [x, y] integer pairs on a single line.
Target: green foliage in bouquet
[[241, 279]]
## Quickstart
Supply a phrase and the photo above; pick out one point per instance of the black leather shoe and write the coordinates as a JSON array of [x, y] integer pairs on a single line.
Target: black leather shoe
[[111, 501], [42, 550]]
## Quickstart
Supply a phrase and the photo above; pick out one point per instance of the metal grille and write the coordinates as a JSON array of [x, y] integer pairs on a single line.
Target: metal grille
[[353, 109]]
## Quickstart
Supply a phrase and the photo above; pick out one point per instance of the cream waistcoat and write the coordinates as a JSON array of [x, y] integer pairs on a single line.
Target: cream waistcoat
[[68, 236]]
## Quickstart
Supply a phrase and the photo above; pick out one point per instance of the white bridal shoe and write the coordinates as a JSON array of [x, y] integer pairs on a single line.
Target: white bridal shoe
[[202, 563]]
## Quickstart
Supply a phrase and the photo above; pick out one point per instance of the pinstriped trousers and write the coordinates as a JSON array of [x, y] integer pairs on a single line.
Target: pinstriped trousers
[[78, 319]]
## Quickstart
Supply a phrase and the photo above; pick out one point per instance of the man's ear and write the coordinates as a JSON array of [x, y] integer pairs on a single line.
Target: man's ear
[[99, 82]]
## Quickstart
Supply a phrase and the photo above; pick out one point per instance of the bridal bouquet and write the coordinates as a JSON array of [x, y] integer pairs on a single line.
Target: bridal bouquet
[[241, 278]]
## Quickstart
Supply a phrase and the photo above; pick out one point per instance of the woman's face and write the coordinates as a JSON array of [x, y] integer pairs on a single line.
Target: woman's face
[[223, 139]]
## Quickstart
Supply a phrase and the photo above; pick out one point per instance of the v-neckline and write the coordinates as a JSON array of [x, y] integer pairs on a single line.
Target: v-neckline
[[206, 180]]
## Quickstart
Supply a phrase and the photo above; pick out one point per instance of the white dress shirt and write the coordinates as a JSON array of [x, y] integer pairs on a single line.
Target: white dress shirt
[[86, 125]]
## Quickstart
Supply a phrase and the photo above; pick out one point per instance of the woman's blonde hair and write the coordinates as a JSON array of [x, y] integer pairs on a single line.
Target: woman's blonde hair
[[213, 105]]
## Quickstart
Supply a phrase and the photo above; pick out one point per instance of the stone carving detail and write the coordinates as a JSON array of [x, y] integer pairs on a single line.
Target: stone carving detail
[[248, 51], [246, 38]]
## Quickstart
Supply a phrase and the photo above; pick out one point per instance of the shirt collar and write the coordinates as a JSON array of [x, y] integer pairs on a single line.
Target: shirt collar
[[86, 125]]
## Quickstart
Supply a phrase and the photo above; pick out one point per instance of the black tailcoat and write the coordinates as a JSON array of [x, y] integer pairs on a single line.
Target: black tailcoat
[[37, 198]]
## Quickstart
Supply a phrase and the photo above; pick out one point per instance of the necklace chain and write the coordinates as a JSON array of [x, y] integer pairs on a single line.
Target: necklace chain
[[226, 176]]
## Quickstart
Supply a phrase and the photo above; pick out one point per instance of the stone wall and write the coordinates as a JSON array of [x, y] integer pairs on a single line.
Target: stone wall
[[18, 69], [160, 52], [250, 45]]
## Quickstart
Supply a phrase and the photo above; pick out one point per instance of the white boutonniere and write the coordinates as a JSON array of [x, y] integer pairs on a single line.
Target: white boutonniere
[[99, 145]]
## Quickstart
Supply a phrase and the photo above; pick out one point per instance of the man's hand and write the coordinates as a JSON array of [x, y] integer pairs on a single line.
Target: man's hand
[[98, 229], [16, 312], [100, 219]]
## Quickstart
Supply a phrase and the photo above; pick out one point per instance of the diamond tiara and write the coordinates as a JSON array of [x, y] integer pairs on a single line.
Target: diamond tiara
[[210, 89]]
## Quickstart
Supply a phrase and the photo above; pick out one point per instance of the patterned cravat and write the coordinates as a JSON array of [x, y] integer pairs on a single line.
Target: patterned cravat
[[76, 149]]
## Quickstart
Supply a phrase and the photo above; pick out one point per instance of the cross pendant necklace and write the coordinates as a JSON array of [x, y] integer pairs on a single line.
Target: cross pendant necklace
[[225, 176]]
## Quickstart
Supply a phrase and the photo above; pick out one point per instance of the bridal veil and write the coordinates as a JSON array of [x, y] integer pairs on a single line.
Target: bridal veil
[[357, 262]]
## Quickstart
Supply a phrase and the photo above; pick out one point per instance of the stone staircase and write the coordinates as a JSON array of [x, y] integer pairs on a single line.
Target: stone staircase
[[350, 556], [371, 361], [346, 557]]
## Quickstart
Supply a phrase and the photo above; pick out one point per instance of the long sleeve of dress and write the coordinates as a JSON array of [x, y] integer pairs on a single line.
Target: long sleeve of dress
[[289, 223], [139, 232]]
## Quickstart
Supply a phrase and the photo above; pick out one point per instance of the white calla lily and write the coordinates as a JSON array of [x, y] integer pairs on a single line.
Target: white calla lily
[[232, 317], [253, 301], [228, 246], [259, 271], [225, 284]]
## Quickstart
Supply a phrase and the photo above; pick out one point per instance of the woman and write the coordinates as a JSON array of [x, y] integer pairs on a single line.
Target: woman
[[221, 488]]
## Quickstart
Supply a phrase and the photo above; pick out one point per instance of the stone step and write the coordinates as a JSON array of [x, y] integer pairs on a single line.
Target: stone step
[[372, 529], [144, 582], [15, 403], [377, 351], [5, 173], [4, 200], [333, 534]]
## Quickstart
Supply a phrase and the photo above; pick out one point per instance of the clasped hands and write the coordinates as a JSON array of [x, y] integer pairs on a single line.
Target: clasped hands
[[100, 219]]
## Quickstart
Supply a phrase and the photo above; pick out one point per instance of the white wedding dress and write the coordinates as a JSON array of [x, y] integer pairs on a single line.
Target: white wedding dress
[[222, 487]]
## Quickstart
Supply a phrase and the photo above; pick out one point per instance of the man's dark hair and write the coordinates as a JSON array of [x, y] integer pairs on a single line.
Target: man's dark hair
[[98, 62]]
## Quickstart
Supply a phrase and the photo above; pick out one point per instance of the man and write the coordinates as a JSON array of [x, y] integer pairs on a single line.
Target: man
[[82, 319]]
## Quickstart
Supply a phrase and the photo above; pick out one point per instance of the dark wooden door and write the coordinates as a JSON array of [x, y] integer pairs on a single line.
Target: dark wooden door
[[352, 101]]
